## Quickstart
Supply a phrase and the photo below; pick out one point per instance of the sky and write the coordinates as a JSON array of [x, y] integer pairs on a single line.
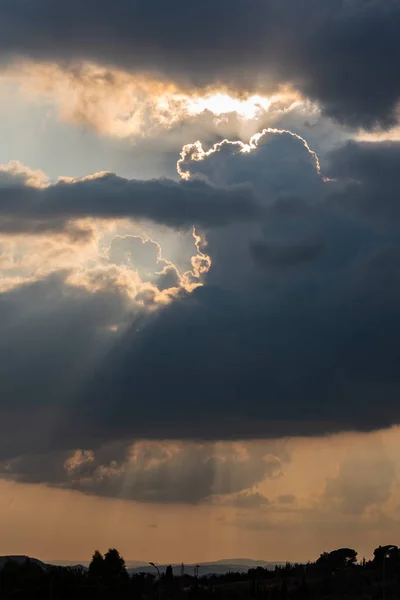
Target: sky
[[199, 278]]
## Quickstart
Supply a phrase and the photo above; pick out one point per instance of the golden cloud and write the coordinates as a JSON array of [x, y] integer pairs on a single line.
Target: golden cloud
[[122, 104]]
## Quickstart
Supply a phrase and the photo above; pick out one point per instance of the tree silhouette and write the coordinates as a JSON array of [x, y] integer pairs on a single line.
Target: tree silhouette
[[389, 551], [283, 591], [96, 567], [337, 560], [114, 567]]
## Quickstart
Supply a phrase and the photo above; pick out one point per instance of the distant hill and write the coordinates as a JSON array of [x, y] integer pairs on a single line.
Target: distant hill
[[250, 562], [21, 559], [218, 567]]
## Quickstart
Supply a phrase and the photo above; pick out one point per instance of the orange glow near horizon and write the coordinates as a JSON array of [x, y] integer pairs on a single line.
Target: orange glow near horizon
[[299, 521]]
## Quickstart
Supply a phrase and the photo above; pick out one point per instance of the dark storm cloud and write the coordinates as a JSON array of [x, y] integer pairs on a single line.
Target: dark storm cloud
[[24, 208], [250, 354], [322, 356], [255, 354], [343, 53]]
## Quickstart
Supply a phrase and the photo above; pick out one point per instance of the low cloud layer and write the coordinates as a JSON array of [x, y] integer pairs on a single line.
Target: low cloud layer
[[342, 54], [156, 472], [30, 207]]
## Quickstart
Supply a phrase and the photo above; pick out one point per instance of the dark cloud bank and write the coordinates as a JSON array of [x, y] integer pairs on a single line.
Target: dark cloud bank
[[26, 209], [343, 53], [295, 332]]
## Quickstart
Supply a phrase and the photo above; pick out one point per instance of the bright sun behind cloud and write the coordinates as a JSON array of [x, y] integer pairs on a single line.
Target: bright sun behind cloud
[[121, 104], [222, 103]]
